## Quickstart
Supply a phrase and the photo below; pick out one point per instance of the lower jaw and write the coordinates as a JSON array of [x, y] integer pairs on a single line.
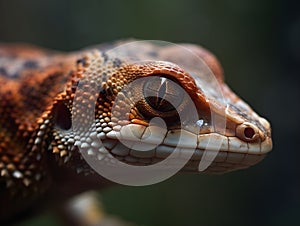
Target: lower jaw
[[216, 162]]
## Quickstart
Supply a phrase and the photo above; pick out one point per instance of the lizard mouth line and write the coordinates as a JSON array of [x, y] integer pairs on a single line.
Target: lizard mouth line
[[183, 139], [221, 152], [218, 160]]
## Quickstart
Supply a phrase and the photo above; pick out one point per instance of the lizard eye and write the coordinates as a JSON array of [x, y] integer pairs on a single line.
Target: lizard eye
[[162, 94]]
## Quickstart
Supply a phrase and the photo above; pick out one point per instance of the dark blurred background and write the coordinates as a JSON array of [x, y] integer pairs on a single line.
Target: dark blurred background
[[258, 45]]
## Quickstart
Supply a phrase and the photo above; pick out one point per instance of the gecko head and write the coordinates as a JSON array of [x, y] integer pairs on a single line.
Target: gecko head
[[144, 113]]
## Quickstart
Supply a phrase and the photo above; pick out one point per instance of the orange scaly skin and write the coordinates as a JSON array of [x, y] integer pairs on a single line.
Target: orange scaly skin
[[38, 159], [30, 78]]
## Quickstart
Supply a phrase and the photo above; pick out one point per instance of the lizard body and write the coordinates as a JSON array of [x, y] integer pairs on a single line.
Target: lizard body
[[38, 150]]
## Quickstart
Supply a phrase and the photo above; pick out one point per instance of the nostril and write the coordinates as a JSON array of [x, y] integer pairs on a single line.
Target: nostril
[[62, 116], [247, 132]]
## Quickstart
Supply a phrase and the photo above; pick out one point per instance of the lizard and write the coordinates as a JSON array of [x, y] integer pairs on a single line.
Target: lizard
[[40, 156]]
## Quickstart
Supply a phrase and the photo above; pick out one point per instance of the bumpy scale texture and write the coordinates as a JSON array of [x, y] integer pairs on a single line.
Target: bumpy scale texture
[[38, 88]]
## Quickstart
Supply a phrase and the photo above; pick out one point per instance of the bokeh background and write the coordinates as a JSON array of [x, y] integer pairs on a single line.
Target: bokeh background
[[258, 45]]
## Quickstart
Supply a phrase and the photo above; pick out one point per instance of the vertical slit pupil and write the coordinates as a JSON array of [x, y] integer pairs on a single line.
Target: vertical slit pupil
[[161, 93]]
